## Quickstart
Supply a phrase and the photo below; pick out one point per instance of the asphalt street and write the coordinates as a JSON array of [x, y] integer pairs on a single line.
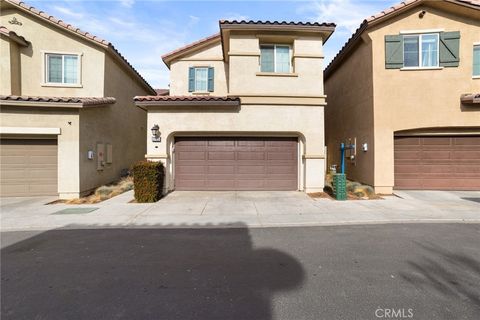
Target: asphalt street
[[400, 271]]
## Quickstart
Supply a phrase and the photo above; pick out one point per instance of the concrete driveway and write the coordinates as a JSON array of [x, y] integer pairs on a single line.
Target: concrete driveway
[[182, 209]]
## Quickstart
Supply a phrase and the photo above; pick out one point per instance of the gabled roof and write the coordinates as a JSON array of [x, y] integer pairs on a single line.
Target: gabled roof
[[382, 16], [74, 101], [168, 57], [85, 35], [13, 36]]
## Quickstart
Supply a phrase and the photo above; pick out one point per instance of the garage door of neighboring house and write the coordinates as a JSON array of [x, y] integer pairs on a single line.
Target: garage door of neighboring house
[[236, 163], [437, 163], [28, 167]]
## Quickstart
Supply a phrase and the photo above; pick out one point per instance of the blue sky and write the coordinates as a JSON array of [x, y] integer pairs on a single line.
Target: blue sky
[[143, 30]]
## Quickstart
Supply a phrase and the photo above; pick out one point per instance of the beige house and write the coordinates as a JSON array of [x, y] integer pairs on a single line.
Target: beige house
[[245, 109], [68, 122], [404, 95]]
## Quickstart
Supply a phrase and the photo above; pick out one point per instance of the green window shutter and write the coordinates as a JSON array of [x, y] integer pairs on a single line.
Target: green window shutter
[[393, 51], [191, 79], [449, 47], [211, 77]]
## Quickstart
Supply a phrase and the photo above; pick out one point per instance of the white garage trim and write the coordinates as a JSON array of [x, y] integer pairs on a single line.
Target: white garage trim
[[29, 130]]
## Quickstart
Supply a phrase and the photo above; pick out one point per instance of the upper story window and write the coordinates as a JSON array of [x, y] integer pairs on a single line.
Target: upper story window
[[435, 49], [200, 79], [476, 60], [420, 50], [275, 58], [63, 69]]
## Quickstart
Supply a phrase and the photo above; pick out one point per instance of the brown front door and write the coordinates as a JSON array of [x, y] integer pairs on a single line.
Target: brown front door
[[28, 167], [234, 163], [437, 163]]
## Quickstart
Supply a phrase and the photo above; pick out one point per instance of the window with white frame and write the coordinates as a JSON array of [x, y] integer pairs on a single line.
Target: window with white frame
[[201, 79], [476, 60], [420, 50], [62, 68], [275, 58]]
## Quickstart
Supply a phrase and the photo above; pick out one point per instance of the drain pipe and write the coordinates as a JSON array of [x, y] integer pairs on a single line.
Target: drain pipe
[[342, 157]]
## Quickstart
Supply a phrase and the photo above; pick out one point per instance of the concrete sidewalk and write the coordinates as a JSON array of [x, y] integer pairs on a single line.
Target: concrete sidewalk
[[240, 209]]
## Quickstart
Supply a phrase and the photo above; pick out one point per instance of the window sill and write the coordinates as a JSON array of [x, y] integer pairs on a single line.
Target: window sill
[[276, 74], [420, 68], [62, 85], [201, 93], [475, 77]]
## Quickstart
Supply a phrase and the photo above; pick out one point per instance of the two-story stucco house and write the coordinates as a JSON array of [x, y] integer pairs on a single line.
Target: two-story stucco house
[[245, 109], [67, 122], [404, 93]]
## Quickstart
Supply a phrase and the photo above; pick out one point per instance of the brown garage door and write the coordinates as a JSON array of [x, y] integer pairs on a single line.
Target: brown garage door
[[236, 163], [437, 163], [28, 167]]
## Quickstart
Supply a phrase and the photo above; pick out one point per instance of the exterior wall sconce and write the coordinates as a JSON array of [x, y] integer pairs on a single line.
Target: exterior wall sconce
[[156, 134]]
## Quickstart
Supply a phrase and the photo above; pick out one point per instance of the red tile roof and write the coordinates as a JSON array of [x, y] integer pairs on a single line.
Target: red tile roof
[[86, 101], [15, 37], [185, 98], [277, 23], [168, 55], [86, 35], [404, 5]]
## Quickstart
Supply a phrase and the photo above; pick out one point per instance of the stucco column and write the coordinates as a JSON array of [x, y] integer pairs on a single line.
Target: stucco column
[[314, 173], [384, 161]]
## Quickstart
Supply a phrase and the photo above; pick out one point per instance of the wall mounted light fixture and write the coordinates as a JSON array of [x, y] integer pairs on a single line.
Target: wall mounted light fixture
[[156, 134]]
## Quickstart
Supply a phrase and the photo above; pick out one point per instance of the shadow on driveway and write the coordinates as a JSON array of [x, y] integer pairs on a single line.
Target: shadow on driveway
[[143, 274], [453, 275]]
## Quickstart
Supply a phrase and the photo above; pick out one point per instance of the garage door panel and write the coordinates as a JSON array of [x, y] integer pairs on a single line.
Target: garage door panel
[[191, 155], [444, 163], [219, 155], [251, 155], [238, 164], [28, 167]]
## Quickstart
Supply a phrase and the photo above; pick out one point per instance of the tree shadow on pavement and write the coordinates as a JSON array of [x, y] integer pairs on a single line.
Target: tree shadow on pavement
[[143, 274], [451, 274]]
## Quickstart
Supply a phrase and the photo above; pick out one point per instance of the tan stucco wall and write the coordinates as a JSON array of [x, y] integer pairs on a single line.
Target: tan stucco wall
[[68, 140], [305, 122], [420, 99], [403, 100], [46, 38], [244, 67], [5, 66], [210, 56], [349, 113], [122, 125]]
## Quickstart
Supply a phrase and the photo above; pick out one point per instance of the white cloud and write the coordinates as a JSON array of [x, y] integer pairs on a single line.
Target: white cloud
[[346, 14], [127, 3], [68, 12]]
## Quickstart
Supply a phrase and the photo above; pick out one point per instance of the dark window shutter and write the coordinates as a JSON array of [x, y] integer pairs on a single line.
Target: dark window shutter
[[211, 77], [393, 51], [191, 79], [449, 47]]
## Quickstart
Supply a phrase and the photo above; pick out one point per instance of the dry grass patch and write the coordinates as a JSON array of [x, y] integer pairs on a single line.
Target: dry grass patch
[[103, 193]]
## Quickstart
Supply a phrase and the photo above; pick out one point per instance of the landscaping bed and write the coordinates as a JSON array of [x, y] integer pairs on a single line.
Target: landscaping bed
[[355, 191], [102, 193]]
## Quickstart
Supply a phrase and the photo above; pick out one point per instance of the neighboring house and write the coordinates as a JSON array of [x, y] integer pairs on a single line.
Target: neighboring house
[[405, 90], [245, 110], [68, 122]]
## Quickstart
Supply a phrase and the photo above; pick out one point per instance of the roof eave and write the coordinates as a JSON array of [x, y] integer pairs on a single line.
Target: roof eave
[[185, 103]]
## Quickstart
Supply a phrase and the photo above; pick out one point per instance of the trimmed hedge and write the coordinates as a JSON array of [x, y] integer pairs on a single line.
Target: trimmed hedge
[[148, 181]]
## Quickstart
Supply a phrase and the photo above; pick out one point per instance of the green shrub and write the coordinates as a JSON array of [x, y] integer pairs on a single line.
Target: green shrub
[[148, 181]]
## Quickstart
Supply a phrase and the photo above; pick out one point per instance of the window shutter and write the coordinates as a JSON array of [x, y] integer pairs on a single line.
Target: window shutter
[[449, 47], [393, 51], [191, 79], [211, 76]]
